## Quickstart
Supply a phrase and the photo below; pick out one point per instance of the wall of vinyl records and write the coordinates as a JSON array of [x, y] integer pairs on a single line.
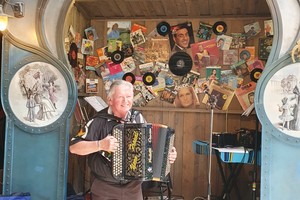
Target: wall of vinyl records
[[223, 58], [167, 58]]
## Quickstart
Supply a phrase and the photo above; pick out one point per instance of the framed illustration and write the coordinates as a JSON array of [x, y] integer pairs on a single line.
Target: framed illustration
[[38, 94], [281, 100]]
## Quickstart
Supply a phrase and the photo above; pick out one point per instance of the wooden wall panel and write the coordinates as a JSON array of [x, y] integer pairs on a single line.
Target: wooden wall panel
[[190, 171]]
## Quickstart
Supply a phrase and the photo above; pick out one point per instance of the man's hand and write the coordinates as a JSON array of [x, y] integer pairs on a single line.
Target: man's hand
[[109, 144]]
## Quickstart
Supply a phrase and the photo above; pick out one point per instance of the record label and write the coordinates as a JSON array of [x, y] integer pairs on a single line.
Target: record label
[[129, 77], [219, 28], [180, 63], [255, 74], [148, 78], [163, 28], [117, 57]]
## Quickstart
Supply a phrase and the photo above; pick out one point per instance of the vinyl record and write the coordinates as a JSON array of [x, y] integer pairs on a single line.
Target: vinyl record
[[219, 28], [117, 57], [129, 77], [245, 55], [180, 63], [73, 55], [255, 74], [163, 28], [148, 78]]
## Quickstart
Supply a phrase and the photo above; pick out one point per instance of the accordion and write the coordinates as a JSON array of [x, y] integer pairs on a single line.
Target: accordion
[[143, 151]]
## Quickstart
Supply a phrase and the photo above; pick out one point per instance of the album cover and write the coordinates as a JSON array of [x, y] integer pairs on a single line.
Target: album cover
[[146, 67], [219, 95], [116, 28], [114, 68], [238, 40], [168, 95], [245, 94], [102, 54], [87, 47], [91, 33], [201, 85], [91, 62], [159, 85], [204, 31], [224, 42], [230, 79], [213, 73], [128, 64], [268, 27], [205, 53], [255, 63], [113, 45], [156, 49], [184, 31], [250, 49], [240, 68], [230, 56], [252, 29], [186, 97], [264, 47], [190, 78], [92, 85], [135, 27], [138, 100], [137, 37]]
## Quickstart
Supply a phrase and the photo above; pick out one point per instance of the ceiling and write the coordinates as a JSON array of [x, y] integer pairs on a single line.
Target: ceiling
[[171, 9]]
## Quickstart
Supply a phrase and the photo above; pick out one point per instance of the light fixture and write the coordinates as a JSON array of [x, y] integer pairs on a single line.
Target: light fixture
[[3, 19]]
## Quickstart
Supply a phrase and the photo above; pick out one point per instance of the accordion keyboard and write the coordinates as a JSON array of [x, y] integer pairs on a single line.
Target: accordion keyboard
[[117, 158]]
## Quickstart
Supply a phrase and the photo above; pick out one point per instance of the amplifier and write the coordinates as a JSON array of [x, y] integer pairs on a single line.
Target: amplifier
[[224, 139]]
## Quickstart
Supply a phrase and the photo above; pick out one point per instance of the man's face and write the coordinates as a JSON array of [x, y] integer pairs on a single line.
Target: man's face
[[182, 38], [121, 101]]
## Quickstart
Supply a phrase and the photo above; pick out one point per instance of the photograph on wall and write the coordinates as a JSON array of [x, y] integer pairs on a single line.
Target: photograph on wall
[[181, 37], [38, 94], [281, 100]]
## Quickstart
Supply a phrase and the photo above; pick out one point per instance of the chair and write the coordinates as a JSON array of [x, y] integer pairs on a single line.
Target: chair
[[157, 189]]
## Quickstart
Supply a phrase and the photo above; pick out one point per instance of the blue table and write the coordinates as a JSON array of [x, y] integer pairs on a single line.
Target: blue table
[[233, 157]]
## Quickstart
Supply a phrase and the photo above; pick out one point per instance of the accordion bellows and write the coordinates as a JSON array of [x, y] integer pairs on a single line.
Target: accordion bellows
[[143, 151]]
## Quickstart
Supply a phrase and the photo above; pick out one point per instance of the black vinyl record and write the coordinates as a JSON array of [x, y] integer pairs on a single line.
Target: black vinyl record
[[219, 28], [117, 57], [73, 55], [255, 74], [129, 77], [149, 78], [180, 63], [245, 55], [163, 28]]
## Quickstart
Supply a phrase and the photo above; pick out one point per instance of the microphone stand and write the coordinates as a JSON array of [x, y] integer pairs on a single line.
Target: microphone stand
[[212, 100]]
